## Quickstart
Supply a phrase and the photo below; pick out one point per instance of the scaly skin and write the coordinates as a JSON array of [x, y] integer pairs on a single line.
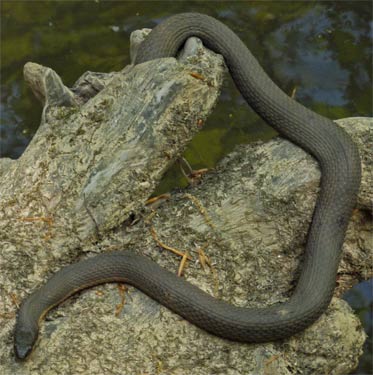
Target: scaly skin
[[339, 162]]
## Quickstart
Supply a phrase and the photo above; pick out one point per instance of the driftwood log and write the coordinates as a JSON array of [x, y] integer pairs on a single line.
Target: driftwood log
[[80, 188]]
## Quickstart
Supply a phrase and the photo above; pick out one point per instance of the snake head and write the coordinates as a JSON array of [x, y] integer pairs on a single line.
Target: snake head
[[24, 340]]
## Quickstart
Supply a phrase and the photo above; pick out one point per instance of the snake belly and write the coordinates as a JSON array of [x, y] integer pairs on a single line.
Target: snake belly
[[339, 162]]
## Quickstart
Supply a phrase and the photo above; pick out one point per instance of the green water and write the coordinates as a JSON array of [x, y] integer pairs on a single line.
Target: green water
[[321, 50]]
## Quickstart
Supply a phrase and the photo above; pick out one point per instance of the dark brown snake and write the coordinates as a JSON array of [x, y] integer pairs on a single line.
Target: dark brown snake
[[339, 162]]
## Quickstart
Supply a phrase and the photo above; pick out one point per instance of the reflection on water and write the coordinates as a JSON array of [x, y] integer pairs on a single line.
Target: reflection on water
[[361, 300], [318, 51]]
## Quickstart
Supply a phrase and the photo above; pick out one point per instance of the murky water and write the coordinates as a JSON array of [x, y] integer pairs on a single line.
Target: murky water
[[318, 51]]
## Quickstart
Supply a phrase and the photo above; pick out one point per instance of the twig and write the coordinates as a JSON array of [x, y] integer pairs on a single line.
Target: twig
[[182, 264], [205, 261], [164, 246], [201, 209], [122, 292], [92, 217]]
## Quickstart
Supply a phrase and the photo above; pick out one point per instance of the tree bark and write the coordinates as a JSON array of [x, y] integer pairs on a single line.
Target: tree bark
[[81, 187]]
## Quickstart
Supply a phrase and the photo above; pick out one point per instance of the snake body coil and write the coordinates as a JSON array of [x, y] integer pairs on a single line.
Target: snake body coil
[[339, 162]]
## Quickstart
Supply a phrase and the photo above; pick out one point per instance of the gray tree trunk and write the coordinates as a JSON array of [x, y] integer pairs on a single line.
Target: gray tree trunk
[[81, 186]]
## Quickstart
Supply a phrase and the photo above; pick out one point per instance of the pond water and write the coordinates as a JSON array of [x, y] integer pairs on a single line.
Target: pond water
[[321, 52]]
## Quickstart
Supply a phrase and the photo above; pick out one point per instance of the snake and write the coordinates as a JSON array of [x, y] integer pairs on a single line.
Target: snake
[[339, 162]]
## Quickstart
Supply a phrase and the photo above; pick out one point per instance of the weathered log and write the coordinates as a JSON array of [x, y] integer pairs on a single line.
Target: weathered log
[[81, 185]]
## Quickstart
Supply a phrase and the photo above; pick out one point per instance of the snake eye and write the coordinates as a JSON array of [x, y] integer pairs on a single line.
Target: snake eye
[[24, 341]]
